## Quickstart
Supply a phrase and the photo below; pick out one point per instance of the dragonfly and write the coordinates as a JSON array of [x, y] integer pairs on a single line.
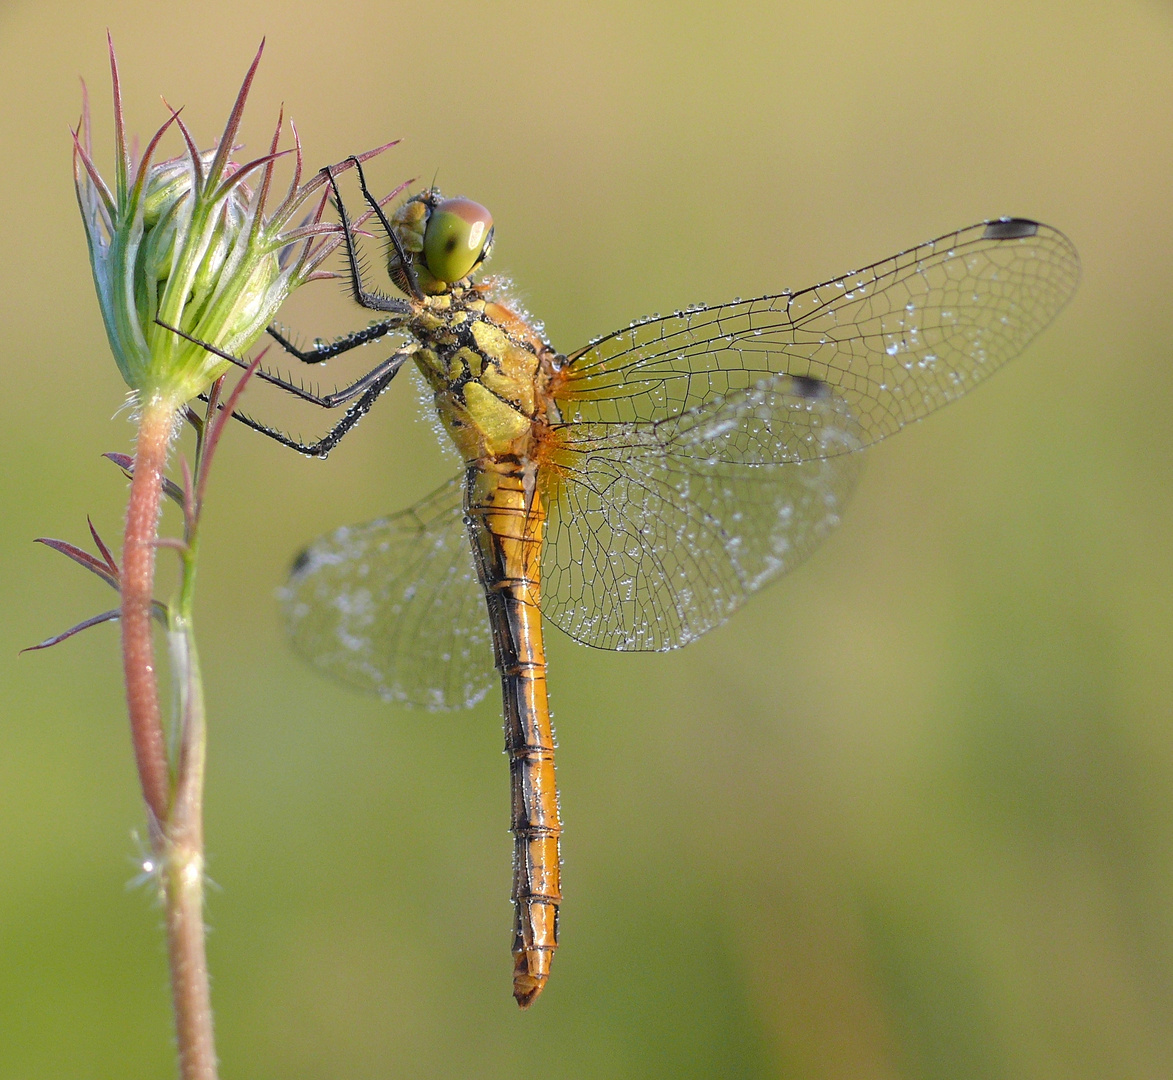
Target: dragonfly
[[634, 492]]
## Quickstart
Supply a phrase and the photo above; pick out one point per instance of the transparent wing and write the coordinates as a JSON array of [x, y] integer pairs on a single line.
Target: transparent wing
[[894, 340], [394, 606], [705, 453], [659, 531]]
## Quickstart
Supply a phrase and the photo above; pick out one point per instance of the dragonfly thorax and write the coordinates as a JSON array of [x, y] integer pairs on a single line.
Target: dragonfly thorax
[[444, 240], [489, 372]]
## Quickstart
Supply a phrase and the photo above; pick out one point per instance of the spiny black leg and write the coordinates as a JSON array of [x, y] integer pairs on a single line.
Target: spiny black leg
[[383, 371], [335, 435], [404, 261], [380, 375], [324, 350], [375, 301]]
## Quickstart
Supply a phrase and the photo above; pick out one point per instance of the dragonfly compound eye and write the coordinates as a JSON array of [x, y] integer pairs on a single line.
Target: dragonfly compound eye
[[459, 235]]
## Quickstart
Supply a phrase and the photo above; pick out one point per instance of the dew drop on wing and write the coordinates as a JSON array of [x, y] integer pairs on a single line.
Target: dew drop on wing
[[1010, 229]]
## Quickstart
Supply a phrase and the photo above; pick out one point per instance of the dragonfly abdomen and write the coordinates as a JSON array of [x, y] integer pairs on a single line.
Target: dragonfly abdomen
[[506, 523]]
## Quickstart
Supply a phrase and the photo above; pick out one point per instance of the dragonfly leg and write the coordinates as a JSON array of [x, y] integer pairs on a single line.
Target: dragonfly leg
[[374, 384], [367, 389], [324, 350], [380, 375], [371, 299], [387, 368], [377, 208]]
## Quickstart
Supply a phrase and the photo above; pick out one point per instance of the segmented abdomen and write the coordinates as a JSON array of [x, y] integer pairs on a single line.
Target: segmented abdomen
[[506, 524]]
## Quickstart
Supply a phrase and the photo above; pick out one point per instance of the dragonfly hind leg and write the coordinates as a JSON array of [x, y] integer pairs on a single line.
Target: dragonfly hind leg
[[372, 386]]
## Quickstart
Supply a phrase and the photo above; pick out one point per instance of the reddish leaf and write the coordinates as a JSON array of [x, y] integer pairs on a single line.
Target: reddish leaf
[[126, 463], [83, 558], [102, 547], [106, 616]]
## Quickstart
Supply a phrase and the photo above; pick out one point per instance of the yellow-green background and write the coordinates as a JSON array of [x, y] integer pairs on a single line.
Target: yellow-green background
[[910, 815]]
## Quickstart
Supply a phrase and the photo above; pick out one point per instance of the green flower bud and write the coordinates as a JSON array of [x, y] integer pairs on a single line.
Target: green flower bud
[[187, 242]]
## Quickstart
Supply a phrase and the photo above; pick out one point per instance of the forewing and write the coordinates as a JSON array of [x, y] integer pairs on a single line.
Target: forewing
[[658, 531], [703, 454], [894, 340], [394, 606]]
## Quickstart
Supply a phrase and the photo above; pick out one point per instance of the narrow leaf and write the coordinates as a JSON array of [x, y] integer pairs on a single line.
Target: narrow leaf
[[82, 558], [126, 463], [102, 547], [220, 161], [192, 152], [289, 202], [81, 154], [189, 506], [106, 616], [267, 178], [121, 161], [238, 176], [217, 428], [319, 178]]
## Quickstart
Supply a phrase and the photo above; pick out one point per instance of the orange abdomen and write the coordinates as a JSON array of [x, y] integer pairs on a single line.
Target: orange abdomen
[[506, 523]]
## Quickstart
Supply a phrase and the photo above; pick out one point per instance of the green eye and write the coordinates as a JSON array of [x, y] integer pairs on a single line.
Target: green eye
[[458, 235]]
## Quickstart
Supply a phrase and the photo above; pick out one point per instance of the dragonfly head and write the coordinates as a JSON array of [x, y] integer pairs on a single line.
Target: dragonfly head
[[444, 240]]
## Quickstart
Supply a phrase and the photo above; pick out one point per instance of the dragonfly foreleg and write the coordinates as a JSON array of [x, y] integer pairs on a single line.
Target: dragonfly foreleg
[[377, 207], [371, 299]]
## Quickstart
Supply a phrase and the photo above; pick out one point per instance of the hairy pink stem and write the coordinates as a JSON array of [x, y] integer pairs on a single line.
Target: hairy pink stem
[[138, 581], [176, 818]]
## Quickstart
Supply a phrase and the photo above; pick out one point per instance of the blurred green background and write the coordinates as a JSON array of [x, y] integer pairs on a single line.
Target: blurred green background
[[909, 815]]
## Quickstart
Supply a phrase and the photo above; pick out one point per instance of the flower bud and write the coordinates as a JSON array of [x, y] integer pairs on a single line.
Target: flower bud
[[186, 242]]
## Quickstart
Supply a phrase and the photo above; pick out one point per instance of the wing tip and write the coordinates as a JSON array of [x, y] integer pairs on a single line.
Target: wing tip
[[1010, 228]]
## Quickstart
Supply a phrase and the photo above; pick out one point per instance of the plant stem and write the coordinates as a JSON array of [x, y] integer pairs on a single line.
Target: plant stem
[[176, 819], [183, 880], [138, 580]]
